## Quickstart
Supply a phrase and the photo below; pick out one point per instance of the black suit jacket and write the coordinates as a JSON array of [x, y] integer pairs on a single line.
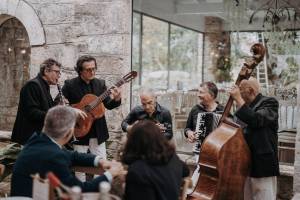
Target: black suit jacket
[[261, 117], [161, 114], [35, 101], [41, 155], [155, 182], [74, 90]]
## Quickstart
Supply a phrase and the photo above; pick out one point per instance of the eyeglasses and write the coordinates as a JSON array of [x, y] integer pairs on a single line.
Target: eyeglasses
[[90, 69], [56, 71]]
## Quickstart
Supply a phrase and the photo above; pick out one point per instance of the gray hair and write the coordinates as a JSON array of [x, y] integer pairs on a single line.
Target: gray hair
[[147, 91], [58, 121], [47, 64]]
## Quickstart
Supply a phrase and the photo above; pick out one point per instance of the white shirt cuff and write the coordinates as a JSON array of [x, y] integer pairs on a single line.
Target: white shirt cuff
[[97, 161], [108, 176]]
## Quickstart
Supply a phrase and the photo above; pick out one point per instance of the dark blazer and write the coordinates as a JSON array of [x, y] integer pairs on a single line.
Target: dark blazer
[[74, 90], [161, 114], [155, 182], [41, 155], [261, 117], [35, 101]]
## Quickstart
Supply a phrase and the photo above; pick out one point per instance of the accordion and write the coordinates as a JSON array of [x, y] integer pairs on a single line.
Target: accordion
[[206, 123]]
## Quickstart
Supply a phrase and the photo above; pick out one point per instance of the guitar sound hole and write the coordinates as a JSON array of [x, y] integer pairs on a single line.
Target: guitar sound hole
[[87, 108]]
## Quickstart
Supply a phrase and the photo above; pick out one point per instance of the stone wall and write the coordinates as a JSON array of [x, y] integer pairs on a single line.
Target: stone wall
[[72, 28]]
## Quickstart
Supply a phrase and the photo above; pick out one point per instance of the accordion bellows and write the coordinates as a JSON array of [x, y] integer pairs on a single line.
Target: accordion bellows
[[206, 123]]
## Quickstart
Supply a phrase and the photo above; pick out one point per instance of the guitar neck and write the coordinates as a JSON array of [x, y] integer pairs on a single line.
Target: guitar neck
[[106, 93]]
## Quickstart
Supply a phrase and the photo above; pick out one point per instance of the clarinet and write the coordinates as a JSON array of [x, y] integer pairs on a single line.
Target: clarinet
[[62, 102], [60, 95]]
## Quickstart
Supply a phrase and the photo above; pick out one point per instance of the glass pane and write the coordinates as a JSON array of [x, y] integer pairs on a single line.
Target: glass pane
[[240, 48], [281, 64], [154, 53], [185, 58], [136, 34], [283, 59]]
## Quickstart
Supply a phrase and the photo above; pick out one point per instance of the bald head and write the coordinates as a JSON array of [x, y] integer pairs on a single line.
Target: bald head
[[249, 89], [252, 83]]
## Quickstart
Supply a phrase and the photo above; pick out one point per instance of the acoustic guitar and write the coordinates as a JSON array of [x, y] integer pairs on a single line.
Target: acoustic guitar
[[93, 106]]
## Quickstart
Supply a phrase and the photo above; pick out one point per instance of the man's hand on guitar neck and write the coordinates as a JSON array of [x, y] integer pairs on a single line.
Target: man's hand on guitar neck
[[115, 93]]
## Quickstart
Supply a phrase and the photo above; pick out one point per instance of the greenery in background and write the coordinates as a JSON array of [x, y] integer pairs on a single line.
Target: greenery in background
[[278, 44], [155, 44], [181, 69], [184, 49], [186, 54], [289, 76], [222, 71], [283, 42]]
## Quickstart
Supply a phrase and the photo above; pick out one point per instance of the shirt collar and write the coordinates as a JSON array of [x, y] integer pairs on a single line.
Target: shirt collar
[[218, 108], [257, 98], [54, 141], [83, 82], [158, 108], [43, 81]]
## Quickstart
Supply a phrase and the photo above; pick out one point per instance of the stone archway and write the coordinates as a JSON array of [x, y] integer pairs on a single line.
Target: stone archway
[[20, 29], [27, 16], [14, 68]]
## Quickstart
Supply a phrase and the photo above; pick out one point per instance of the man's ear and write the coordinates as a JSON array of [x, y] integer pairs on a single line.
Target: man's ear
[[69, 134], [252, 90]]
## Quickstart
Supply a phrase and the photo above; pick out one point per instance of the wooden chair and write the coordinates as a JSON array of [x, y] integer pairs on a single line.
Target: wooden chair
[[41, 189], [88, 170], [186, 184], [287, 131]]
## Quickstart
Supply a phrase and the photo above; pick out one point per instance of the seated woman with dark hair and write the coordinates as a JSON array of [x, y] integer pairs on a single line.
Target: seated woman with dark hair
[[155, 171]]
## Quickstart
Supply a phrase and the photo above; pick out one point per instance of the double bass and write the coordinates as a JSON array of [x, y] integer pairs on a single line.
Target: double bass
[[225, 157]]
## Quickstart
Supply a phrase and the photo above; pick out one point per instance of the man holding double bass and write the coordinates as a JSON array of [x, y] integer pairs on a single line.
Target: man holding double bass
[[86, 83], [260, 114]]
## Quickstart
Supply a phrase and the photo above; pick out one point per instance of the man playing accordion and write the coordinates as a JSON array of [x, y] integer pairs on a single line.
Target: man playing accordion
[[203, 119]]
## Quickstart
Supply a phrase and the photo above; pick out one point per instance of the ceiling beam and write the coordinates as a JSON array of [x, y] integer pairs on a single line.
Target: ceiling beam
[[203, 8], [155, 6]]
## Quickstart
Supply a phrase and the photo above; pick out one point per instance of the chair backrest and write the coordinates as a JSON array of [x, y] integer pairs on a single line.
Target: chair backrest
[[185, 185], [287, 115], [41, 189]]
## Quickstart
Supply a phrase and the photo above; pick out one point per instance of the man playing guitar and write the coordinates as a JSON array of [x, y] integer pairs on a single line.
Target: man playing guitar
[[149, 109], [86, 83]]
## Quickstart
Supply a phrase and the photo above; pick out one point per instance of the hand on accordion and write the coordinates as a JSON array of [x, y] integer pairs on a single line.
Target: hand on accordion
[[191, 136]]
